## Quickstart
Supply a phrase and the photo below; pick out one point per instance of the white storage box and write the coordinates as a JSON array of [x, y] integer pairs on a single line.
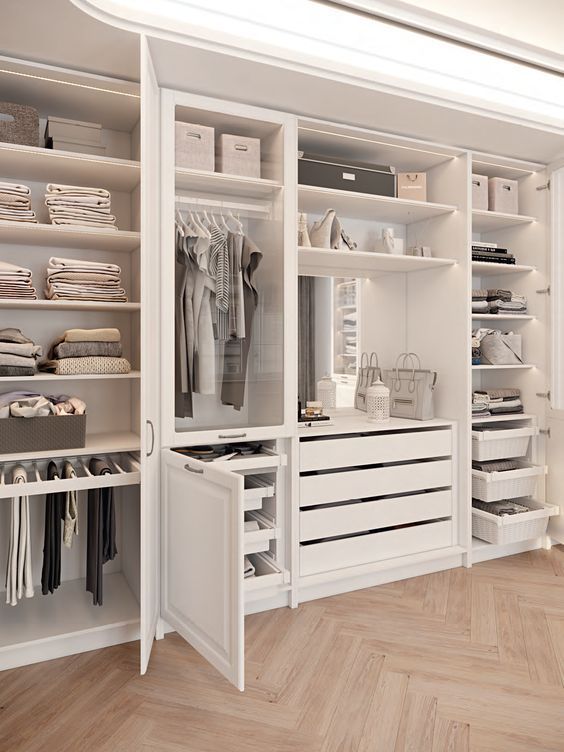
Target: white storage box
[[238, 155], [412, 185], [512, 528], [503, 195], [194, 146], [506, 484], [75, 131], [480, 192], [500, 443], [78, 146]]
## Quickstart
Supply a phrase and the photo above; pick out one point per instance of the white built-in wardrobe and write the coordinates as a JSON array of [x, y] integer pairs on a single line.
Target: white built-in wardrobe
[[339, 507]]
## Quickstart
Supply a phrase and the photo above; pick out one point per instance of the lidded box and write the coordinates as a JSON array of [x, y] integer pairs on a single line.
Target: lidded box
[[194, 146], [19, 124], [503, 195], [480, 192], [412, 185], [238, 155]]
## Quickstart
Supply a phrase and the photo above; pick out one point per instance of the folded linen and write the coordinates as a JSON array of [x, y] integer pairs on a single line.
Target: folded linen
[[479, 294], [496, 466], [13, 270], [82, 277], [27, 349], [29, 293], [53, 293], [61, 221], [479, 306], [66, 190], [494, 293], [501, 393], [90, 364], [502, 410], [85, 349], [58, 264], [94, 202], [15, 199], [90, 335], [17, 371], [15, 189]]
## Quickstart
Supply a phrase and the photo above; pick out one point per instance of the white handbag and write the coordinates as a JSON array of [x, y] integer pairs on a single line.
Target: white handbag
[[411, 388], [368, 373]]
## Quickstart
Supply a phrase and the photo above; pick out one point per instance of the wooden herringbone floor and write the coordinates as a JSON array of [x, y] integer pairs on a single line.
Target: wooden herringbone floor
[[459, 660]]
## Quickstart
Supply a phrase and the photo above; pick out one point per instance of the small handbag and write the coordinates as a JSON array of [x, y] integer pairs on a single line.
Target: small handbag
[[498, 349], [411, 388], [368, 373]]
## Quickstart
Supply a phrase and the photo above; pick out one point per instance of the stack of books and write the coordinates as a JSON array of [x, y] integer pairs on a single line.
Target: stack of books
[[490, 252]]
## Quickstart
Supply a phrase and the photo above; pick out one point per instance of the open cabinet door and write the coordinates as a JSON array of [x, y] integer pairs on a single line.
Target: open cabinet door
[[150, 358], [555, 405], [202, 560]]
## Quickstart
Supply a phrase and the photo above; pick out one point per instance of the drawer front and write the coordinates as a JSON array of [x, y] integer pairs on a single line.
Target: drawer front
[[371, 450], [379, 481], [370, 515], [366, 549]]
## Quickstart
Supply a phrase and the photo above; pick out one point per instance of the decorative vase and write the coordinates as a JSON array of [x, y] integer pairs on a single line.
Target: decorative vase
[[378, 402], [388, 240], [327, 392]]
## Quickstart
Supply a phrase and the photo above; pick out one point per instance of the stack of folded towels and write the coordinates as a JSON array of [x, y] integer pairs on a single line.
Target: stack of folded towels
[[15, 203], [72, 279], [15, 282], [81, 351], [496, 402], [79, 206], [17, 354], [498, 301]]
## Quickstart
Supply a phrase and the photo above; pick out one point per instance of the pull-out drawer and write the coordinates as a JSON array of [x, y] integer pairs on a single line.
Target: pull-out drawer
[[259, 540], [327, 522], [267, 573], [257, 488], [374, 481], [373, 547], [325, 454]]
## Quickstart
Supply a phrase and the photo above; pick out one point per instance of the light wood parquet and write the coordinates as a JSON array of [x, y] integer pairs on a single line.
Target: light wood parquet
[[458, 661]]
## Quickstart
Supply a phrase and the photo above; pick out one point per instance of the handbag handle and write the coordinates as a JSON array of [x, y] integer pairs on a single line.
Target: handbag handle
[[363, 358], [373, 355]]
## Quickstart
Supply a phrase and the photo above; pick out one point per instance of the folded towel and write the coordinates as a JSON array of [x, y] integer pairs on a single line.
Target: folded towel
[[496, 466], [74, 190], [15, 189], [17, 371], [90, 335], [77, 265], [500, 393], [14, 270], [479, 294], [83, 277], [54, 293], [479, 306], [59, 221], [15, 199], [503, 410], [85, 349], [94, 212], [95, 365], [494, 293]]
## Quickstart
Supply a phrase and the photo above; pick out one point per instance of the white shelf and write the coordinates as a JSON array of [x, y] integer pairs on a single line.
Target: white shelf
[[96, 443], [487, 269], [484, 551], [323, 262], [501, 317], [57, 236], [516, 366], [349, 420], [503, 418], [224, 184], [489, 221], [55, 166], [66, 613], [67, 305], [314, 200], [40, 376]]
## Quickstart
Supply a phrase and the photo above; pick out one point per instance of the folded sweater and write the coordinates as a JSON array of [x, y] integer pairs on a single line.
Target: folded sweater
[[90, 364]]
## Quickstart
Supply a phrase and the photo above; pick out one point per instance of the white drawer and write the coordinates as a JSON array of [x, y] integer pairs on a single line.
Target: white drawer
[[259, 540], [328, 522], [365, 549], [376, 481], [267, 573], [257, 488], [325, 454]]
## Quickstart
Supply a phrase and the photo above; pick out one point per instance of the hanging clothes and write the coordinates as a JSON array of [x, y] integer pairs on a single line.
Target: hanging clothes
[[236, 292], [70, 508], [219, 269], [204, 341], [237, 350], [184, 326], [101, 535], [19, 581], [51, 570]]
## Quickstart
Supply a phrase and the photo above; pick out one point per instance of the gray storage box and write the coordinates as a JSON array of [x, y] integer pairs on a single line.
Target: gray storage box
[[75, 131], [238, 155], [19, 124], [328, 172], [51, 432], [480, 192], [194, 146], [503, 195]]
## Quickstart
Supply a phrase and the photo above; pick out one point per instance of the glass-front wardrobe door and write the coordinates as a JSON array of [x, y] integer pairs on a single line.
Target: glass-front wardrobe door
[[225, 244]]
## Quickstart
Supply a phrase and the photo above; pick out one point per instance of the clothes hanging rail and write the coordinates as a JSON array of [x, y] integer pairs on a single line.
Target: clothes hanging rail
[[249, 209]]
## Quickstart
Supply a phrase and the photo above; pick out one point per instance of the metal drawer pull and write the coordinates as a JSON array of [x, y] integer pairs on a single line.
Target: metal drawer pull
[[231, 436], [194, 469]]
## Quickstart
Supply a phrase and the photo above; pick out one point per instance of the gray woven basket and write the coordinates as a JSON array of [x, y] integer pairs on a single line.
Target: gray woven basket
[[21, 125], [39, 434]]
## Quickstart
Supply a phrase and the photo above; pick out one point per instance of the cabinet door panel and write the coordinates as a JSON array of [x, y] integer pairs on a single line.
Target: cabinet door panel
[[202, 556]]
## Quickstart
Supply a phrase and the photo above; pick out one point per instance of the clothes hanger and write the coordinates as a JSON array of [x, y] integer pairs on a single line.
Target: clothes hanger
[[179, 223], [238, 224]]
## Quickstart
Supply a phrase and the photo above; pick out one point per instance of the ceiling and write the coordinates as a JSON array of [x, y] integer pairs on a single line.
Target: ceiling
[[56, 32]]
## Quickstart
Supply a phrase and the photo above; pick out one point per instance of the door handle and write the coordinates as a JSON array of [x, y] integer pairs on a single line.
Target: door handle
[[194, 469], [150, 423], [231, 436]]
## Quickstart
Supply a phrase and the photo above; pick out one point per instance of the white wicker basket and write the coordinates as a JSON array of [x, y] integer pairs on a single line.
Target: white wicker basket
[[496, 443], [512, 528], [508, 484]]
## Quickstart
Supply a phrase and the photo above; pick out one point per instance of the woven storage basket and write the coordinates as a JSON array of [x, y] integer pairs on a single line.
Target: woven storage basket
[[509, 484], [51, 432], [511, 528], [22, 125], [496, 444]]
